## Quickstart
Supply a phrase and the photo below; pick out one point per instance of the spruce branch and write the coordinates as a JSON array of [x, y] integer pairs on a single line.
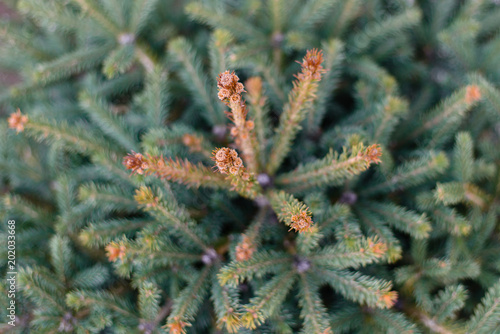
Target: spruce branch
[[312, 309], [227, 162], [175, 215], [267, 299], [188, 302], [403, 219], [411, 173], [211, 15], [463, 159], [340, 256], [225, 300], [156, 96], [451, 193], [360, 288], [230, 93], [291, 211], [181, 171], [74, 137], [261, 263], [38, 283], [449, 301], [486, 317], [332, 169], [259, 111], [334, 58], [70, 64], [300, 102], [378, 227], [99, 233], [110, 124], [376, 32], [149, 298], [79, 299], [195, 79], [142, 51], [450, 112]]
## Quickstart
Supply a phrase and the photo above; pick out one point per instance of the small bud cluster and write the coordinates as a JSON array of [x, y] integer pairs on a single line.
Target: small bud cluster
[[472, 94], [227, 161], [229, 88], [17, 121], [249, 125], [378, 248], [311, 65], [373, 153], [177, 326], [135, 162], [245, 249], [145, 196], [254, 88], [301, 222], [115, 251], [388, 299], [192, 142]]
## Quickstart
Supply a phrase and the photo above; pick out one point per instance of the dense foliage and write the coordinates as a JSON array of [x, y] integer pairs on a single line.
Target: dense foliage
[[251, 166]]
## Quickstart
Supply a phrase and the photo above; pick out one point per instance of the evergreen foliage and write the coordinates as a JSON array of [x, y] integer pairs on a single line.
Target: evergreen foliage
[[172, 169]]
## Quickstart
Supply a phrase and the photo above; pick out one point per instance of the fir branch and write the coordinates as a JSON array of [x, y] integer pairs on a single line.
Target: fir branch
[[463, 159], [313, 12], [91, 278], [375, 226], [92, 8], [451, 193], [300, 102], [332, 169], [219, 50]]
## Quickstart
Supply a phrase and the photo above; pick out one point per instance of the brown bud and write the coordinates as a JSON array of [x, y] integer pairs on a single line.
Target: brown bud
[[17, 121]]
